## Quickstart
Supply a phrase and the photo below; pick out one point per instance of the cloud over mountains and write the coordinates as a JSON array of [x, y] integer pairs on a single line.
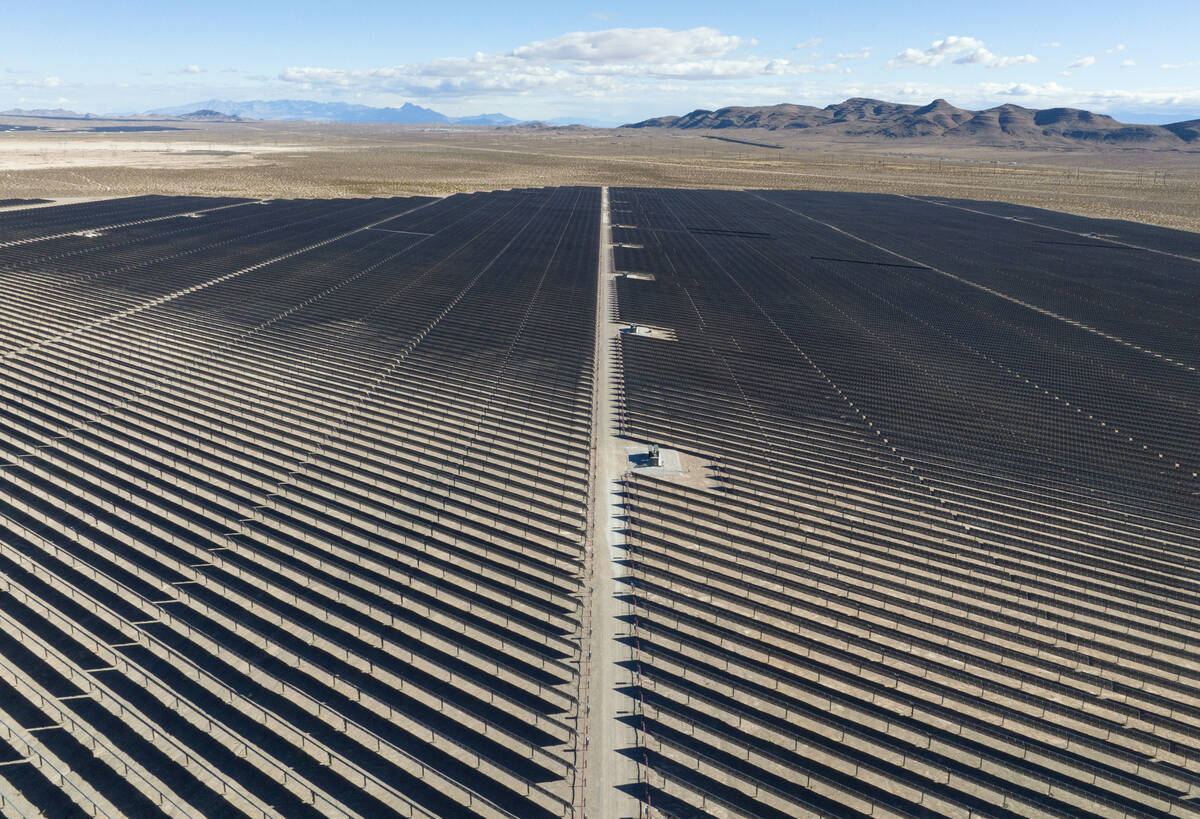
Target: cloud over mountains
[[961, 51], [580, 62]]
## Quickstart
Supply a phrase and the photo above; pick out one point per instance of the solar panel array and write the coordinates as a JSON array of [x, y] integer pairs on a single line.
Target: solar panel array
[[948, 560], [296, 499], [292, 504]]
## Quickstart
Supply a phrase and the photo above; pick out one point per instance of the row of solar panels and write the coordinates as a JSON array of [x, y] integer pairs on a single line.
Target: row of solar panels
[[292, 506], [923, 584]]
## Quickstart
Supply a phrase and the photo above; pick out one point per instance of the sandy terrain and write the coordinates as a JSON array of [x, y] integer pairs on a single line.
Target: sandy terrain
[[33, 153], [313, 160]]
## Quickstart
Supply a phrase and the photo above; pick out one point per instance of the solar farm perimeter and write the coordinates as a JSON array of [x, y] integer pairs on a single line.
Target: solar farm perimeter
[[344, 508]]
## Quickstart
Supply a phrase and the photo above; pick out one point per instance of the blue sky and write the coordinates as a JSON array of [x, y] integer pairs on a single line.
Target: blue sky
[[605, 60]]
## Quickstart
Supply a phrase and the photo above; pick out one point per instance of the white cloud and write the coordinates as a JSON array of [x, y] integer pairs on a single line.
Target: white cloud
[[810, 43], [1174, 66], [1051, 45], [992, 61], [488, 76], [964, 50], [44, 82], [1051, 94], [1024, 89], [1089, 61], [862, 54], [1128, 63], [631, 45], [583, 63], [709, 69]]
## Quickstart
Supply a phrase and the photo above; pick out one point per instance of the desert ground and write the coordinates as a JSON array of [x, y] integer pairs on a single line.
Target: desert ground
[[271, 159]]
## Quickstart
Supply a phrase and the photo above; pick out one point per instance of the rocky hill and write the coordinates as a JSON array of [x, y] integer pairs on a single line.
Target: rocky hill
[[1004, 125], [209, 115], [1187, 131]]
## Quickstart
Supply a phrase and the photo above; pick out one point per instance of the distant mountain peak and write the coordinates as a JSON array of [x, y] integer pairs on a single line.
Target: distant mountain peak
[[937, 105]]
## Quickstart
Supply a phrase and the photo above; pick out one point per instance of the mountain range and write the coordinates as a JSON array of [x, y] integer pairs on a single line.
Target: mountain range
[[855, 119], [306, 111], [312, 111], [1004, 125]]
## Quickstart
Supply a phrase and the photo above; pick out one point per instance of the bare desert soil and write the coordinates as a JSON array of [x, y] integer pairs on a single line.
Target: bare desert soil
[[263, 159]]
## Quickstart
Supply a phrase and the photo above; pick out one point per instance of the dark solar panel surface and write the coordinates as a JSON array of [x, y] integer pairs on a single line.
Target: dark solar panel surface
[[949, 559], [294, 505]]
